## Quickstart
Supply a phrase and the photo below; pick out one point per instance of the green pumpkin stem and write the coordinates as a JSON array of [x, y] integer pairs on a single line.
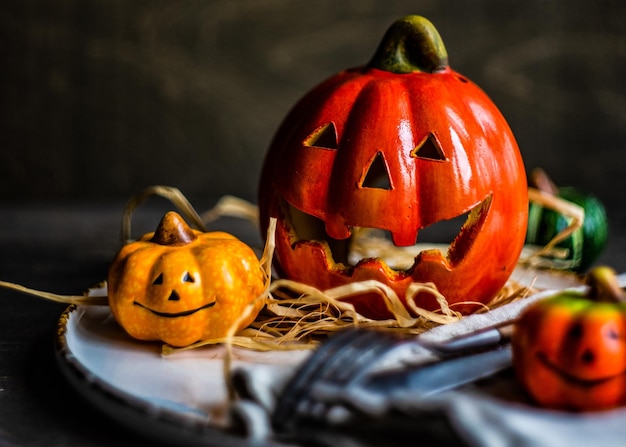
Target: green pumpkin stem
[[411, 44], [603, 285], [173, 230]]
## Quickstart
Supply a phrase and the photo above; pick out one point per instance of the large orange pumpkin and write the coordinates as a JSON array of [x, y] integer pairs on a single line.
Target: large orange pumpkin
[[400, 144], [180, 285]]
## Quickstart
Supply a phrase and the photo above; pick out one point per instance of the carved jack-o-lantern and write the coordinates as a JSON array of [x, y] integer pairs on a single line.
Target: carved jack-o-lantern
[[398, 145], [180, 285]]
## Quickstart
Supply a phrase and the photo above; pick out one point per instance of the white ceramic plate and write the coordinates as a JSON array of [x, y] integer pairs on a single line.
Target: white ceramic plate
[[181, 397]]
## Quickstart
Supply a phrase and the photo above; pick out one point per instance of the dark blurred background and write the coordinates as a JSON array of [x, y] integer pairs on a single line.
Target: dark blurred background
[[100, 98]]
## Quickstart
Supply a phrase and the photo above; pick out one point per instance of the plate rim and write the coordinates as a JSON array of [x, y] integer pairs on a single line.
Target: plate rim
[[164, 424]]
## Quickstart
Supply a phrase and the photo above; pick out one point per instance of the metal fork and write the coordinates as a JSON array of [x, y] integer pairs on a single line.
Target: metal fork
[[339, 361], [337, 378]]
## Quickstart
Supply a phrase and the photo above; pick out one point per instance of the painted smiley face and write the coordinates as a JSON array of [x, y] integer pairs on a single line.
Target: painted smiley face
[[174, 295], [570, 353]]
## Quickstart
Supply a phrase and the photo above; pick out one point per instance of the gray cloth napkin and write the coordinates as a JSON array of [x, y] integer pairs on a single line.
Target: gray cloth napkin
[[494, 413]]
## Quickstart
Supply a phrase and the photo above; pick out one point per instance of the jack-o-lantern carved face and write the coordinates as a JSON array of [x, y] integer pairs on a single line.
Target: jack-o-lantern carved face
[[570, 352], [180, 285], [401, 148]]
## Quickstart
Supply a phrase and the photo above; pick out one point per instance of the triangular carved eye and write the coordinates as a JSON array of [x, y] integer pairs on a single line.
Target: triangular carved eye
[[429, 148], [377, 174], [324, 137], [158, 280]]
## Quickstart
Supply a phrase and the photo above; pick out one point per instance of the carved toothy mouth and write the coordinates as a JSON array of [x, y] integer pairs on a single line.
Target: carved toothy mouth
[[449, 240], [185, 313]]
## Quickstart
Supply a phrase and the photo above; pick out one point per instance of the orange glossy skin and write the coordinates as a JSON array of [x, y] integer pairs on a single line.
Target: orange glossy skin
[[570, 353], [184, 292], [377, 113]]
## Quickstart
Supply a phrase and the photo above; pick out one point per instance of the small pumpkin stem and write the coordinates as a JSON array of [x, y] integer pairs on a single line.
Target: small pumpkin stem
[[603, 285], [173, 230], [542, 181], [411, 44]]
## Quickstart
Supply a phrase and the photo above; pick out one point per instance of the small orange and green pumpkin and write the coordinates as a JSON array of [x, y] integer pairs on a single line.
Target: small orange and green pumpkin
[[569, 350]]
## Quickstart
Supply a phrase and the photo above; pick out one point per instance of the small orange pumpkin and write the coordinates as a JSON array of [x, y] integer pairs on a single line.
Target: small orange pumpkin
[[180, 285], [569, 350]]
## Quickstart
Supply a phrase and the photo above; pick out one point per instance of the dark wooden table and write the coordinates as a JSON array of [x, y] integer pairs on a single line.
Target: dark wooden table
[[66, 248]]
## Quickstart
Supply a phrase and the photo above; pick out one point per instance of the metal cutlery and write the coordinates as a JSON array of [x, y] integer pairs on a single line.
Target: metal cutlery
[[338, 379]]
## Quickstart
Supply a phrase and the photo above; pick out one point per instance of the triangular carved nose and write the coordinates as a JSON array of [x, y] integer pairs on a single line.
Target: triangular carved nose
[[377, 174], [174, 296]]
